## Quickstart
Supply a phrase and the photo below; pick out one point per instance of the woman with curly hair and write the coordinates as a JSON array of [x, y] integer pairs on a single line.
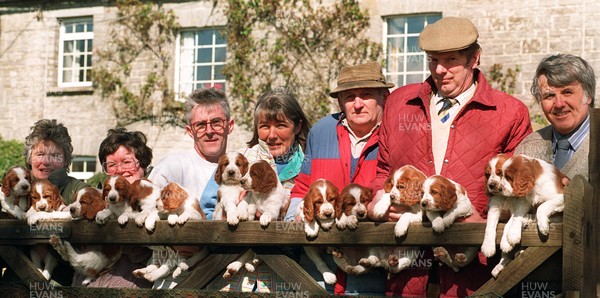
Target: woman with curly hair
[[48, 154]]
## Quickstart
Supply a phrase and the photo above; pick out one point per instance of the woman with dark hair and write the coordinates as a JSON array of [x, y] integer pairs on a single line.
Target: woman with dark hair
[[125, 153], [280, 132]]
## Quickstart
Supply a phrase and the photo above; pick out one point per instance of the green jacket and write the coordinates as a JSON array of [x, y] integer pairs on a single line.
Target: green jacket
[[67, 185]]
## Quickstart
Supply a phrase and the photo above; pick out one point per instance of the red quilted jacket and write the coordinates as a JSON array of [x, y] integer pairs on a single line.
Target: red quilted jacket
[[491, 122]]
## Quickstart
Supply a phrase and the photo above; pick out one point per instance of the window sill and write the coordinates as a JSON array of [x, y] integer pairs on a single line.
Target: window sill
[[59, 91]]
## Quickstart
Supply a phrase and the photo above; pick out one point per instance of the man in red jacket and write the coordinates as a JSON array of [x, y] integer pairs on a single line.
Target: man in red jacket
[[450, 125]]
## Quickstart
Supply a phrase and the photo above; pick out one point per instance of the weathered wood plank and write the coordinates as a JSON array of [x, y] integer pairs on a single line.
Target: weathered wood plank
[[297, 280], [591, 278], [21, 264], [516, 270], [206, 270], [277, 233], [575, 224]]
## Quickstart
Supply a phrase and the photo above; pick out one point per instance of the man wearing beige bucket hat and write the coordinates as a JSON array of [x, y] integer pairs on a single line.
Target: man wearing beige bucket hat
[[451, 125], [342, 148]]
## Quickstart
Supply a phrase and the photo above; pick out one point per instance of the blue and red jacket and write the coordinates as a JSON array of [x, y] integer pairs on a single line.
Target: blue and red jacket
[[328, 155]]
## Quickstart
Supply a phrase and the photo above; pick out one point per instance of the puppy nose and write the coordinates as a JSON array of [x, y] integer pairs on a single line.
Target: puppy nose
[[72, 209], [243, 182], [328, 213], [423, 204], [230, 172], [493, 186], [25, 187], [361, 214]]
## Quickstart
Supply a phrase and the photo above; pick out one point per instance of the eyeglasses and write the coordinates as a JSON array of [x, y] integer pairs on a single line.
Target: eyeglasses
[[216, 124], [126, 165]]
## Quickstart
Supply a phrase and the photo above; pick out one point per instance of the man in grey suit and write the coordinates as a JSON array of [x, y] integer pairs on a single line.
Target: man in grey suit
[[564, 85]]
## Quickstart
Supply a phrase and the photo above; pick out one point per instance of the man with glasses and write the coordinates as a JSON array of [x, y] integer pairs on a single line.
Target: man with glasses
[[209, 125]]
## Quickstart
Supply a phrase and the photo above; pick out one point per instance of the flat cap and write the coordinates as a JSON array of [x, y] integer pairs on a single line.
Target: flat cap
[[367, 75], [448, 34]]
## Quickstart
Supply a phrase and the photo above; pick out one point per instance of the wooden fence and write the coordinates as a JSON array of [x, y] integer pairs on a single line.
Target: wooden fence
[[578, 236]]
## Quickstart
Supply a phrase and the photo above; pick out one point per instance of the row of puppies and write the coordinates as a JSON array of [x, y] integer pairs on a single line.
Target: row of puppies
[[441, 199], [518, 185], [141, 200]]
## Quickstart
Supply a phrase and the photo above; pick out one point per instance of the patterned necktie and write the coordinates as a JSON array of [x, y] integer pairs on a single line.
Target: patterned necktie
[[562, 153], [444, 112]]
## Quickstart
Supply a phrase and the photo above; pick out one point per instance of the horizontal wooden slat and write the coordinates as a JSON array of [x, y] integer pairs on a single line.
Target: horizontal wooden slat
[[251, 233]]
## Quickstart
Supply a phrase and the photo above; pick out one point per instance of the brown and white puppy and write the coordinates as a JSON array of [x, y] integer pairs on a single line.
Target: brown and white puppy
[[117, 191], [46, 203], [444, 201], [535, 183], [90, 260], [265, 194], [87, 204], [405, 188], [16, 185], [352, 205], [318, 210], [146, 195], [230, 170], [177, 205]]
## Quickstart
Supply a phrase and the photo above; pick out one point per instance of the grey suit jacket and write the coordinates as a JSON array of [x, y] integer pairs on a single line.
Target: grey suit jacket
[[539, 145]]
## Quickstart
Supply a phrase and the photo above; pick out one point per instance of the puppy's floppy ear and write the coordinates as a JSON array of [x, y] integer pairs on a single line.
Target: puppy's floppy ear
[[264, 178], [339, 205], [309, 208], [448, 197], [389, 183], [524, 180], [5, 186], [218, 172], [412, 192]]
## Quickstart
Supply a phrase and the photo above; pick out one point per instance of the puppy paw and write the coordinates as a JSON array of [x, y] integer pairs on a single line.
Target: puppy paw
[[329, 278], [543, 226], [232, 219], [123, 219], [438, 225], [265, 219], [488, 247]]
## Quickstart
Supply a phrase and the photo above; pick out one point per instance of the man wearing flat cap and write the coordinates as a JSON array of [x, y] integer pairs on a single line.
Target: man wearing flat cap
[[342, 148], [451, 125]]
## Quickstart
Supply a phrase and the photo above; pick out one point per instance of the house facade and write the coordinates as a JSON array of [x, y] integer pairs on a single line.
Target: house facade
[[47, 53]]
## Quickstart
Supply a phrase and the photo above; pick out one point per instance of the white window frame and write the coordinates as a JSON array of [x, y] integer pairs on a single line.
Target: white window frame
[[393, 74], [74, 36], [179, 92], [88, 169]]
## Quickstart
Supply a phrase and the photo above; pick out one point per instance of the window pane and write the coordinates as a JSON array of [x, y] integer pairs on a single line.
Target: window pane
[[67, 76], [89, 61], [67, 61], [81, 75], [90, 27], [88, 77], [79, 60], [219, 37], [80, 44], [395, 45], [416, 24], [203, 73], [220, 54], [79, 27], [205, 37], [89, 45], [77, 166], [204, 55], [68, 47], [396, 64], [414, 78], [412, 44], [91, 166], [219, 72], [396, 26], [415, 63], [69, 28], [433, 19]]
